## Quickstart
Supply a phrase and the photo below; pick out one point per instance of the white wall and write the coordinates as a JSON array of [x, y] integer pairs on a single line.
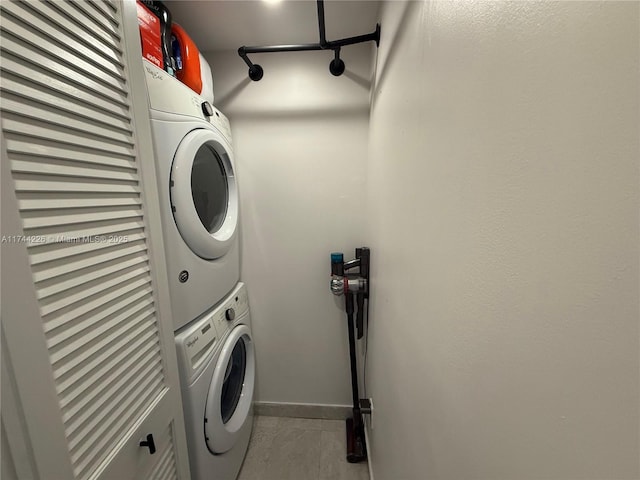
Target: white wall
[[503, 220], [300, 139]]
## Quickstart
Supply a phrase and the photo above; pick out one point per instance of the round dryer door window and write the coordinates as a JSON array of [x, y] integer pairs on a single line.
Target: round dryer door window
[[231, 391], [204, 196]]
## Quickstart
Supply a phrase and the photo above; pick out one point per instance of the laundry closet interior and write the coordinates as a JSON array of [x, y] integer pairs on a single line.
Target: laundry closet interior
[[320, 239]]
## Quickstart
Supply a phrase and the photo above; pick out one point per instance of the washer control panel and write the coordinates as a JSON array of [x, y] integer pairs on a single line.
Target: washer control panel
[[232, 310], [201, 341], [195, 344]]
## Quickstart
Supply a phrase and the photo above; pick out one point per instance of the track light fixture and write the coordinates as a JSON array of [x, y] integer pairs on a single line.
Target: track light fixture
[[336, 67]]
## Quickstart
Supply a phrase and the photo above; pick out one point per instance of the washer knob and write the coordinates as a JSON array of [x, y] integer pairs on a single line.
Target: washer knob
[[230, 314]]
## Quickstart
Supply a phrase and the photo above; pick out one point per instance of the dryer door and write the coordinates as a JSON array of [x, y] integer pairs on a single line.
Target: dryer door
[[204, 196], [231, 391]]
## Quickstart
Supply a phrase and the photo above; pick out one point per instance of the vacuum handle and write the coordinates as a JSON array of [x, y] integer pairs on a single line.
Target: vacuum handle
[[337, 264]]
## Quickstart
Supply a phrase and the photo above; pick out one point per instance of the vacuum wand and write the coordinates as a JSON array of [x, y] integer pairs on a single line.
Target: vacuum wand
[[350, 285], [352, 352]]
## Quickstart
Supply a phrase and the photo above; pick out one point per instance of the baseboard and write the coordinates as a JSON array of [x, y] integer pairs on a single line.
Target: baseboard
[[302, 410]]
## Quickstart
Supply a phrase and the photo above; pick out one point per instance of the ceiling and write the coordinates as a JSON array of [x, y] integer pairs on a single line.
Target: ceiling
[[229, 24]]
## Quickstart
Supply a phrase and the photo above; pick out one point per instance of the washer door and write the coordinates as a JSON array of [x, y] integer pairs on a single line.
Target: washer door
[[231, 391], [204, 195]]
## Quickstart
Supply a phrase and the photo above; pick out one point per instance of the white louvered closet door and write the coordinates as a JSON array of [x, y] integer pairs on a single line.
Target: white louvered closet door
[[93, 358]]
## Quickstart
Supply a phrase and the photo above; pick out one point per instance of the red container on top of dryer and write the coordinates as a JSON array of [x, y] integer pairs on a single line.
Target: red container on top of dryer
[[187, 59], [154, 20], [150, 38]]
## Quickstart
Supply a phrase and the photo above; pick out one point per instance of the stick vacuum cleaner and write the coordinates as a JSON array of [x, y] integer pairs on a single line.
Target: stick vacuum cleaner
[[350, 285]]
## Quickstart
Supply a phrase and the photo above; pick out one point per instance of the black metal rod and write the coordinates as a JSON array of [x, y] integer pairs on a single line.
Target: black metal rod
[[335, 46], [322, 45], [373, 36], [244, 57], [323, 36], [280, 48], [243, 51]]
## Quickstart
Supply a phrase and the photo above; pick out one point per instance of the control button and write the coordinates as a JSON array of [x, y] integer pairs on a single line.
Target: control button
[[207, 109], [230, 314]]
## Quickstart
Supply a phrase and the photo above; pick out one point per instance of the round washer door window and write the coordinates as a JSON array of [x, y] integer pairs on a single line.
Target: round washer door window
[[204, 196], [231, 391]]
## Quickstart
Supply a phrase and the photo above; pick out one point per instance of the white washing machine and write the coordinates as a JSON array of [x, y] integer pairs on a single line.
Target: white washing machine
[[217, 373], [198, 195]]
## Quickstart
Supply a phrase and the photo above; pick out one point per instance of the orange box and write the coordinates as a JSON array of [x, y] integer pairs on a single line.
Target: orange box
[[150, 40], [189, 74]]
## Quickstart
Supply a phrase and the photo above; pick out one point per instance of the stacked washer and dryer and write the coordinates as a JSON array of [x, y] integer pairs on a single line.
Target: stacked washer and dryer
[[211, 318]]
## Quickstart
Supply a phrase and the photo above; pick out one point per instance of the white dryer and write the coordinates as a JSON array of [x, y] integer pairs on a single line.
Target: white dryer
[[198, 195], [217, 373]]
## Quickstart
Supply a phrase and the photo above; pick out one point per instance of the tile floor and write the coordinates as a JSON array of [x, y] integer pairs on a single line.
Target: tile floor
[[299, 449]]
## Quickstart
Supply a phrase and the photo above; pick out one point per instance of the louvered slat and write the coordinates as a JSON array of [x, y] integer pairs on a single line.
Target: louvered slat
[[114, 299], [70, 144], [99, 20], [59, 118], [81, 325], [165, 467], [103, 10], [22, 88], [52, 251], [40, 42], [35, 148], [122, 358], [59, 233], [122, 388], [93, 451], [41, 61], [116, 403], [101, 287], [49, 30], [78, 348], [44, 202], [94, 302], [38, 183], [29, 126], [28, 164], [110, 37], [111, 4], [67, 88], [82, 35], [92, 399], [104, 379], [63, 266], [70, 281], [35, 219]]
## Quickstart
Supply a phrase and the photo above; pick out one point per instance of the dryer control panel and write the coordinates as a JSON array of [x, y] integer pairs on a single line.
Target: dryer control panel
[[168, 94]]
